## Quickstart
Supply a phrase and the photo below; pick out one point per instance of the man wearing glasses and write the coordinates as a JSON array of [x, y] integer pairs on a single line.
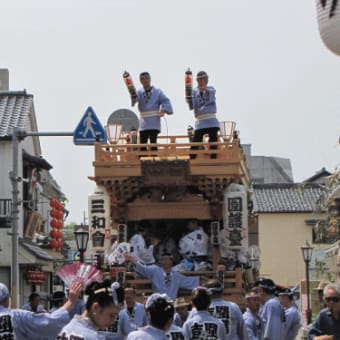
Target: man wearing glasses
[[327, 323]]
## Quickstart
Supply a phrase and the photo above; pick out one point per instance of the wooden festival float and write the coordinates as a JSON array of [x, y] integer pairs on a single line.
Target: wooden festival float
[[167, 186]]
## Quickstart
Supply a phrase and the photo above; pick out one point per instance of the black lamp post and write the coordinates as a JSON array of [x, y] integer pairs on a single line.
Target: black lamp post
[[307, 252], [82, 238]]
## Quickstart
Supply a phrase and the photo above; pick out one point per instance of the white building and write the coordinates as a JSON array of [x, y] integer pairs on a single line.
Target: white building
[[36, 189]]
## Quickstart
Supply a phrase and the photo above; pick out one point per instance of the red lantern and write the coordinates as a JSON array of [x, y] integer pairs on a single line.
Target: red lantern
[[54, 233], [54, 244], [53, 203], [54, 223]]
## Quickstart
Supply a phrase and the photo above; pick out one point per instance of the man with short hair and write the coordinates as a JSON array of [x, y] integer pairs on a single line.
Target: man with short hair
[[204, 106], [22, 324], [293, 319], [58, 300], [271, 311], [226, 311], [194, 245], [164, 279], [152, 104], [327, 323], [252, 320], [133, 315], [202, 325], [33, 304]]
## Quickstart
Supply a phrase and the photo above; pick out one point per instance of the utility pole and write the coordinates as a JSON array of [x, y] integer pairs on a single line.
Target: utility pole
[[16, 202]]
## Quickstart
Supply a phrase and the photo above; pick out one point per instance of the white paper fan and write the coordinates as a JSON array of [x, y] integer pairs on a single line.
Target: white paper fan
[[80, 272]]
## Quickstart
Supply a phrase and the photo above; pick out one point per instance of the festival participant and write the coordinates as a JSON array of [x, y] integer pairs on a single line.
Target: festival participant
[[21, 324], [293, 319], [102, 309], [182, 311], [204, 106], [58, 300], [194, 245], [160, 313], [164, 279], [33, 304], [133, 315], [252, 320], [152, 105], [201, 325], [139, 249], [226, 311], [327, 323], [271, 311]]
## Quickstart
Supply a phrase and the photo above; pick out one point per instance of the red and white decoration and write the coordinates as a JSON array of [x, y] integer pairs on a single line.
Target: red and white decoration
[[56, 223]]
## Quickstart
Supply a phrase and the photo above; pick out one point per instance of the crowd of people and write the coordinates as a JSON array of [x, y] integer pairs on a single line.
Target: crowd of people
[[112, 312]]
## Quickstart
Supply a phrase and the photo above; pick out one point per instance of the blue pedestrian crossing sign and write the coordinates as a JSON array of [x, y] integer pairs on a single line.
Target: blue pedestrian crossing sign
[[89, 129]]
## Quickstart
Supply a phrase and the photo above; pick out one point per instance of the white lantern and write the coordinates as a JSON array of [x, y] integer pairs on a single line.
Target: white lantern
[[329, 23]]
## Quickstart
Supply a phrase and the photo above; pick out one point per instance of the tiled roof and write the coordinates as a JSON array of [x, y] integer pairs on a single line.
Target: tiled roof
[[14, 110], [286, 197]]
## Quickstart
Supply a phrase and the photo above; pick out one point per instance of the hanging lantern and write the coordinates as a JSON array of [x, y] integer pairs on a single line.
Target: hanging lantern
[[54, 244], [53, 233], [329, 23]]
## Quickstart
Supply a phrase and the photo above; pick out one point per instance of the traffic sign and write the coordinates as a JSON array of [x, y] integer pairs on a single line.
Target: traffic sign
[[89, 129]]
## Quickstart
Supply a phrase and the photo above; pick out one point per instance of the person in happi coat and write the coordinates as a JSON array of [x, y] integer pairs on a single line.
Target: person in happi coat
[[102, 309], [226, 311], [21, 324], [164, 279], [201, 324], [160, 313], [194, 245], [182, 311], [204, 106], [133, 314], [33, 304], [152, 105], [293, 319], [271, 311], [58, 299], [252, 320]]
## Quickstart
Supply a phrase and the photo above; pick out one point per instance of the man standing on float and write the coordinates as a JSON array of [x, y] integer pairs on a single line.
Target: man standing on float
[[152, 105], [204, 106]]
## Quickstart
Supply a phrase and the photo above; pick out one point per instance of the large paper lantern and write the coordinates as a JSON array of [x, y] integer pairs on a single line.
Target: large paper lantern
[[329, 23]]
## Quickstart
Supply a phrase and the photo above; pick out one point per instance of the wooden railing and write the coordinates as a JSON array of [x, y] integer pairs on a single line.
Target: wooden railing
[[167, 147]]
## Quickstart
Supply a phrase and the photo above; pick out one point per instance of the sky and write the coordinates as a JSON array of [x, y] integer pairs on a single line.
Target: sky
[[271, 71]]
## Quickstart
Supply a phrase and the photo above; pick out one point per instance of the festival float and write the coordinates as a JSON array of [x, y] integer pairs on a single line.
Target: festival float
[[165, 188]]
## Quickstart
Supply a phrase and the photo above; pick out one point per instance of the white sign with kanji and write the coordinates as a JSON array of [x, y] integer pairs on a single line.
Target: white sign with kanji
[[99, 220]]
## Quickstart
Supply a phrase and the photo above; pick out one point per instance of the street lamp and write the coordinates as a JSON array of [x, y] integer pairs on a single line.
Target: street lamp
[[255, 266], [82, 237], [307, 252]]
